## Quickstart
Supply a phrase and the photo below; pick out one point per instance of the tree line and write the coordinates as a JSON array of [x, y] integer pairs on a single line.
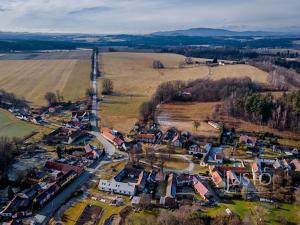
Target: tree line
[[8, 148], [242, 98], [204, 90], [28, 45], [7, 98], [288, 64], [226, 53], [278, 76]]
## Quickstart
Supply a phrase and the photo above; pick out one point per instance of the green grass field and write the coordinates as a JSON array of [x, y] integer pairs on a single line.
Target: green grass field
[[289, 211], [12, 127]]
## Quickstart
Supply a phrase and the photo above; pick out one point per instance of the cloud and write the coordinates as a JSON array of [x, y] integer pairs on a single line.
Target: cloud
[[89, 10], [144, 16], [2, 9]]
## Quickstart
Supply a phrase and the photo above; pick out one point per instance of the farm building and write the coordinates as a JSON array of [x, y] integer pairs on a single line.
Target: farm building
[[63, 167], [111, 137], [63, 135], [125, 188]]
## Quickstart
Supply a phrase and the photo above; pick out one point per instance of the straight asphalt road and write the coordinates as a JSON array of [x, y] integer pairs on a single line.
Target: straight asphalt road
[[110, 149]]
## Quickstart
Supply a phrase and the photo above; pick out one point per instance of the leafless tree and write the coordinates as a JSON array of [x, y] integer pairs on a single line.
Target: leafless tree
[[107, 86], [157, 64], [51, 98], [89, 92], [189, 60], [297, 196], [196, 124], [259, 215], [166, 218], [145, 201]]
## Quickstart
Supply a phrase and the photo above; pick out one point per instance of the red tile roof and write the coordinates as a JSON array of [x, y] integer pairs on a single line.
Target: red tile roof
[[199, 187], [105, 130], [255, 167], [218, 180], [296, 164], [109, 136], [65, 168], [232, 168], [248, 139], [118, 141], [146, 136]]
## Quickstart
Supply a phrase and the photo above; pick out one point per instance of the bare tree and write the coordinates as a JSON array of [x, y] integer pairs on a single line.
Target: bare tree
[[244, 193], [157, 64], [259, 215], [89, 92], [196, 124], [107, 86], [297, 196], [166, 218], [145, 201], [59, 97], [51, 98], [189, 60]]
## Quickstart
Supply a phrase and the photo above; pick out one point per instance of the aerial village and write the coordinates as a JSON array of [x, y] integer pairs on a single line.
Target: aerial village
[[241, 164]]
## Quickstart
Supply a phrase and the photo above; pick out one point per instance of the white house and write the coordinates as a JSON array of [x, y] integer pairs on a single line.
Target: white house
[[117, 187], [214, 125]]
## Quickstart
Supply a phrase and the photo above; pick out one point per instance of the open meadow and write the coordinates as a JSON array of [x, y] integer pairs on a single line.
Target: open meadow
[[135, 81], [11, 127], [182, 116], [31, 79]]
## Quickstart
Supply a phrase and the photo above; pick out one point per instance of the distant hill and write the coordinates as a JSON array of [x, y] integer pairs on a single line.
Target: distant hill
[[210, 32]]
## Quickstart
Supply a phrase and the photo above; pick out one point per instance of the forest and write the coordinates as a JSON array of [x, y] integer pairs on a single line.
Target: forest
[[282, 113], [242, 98]]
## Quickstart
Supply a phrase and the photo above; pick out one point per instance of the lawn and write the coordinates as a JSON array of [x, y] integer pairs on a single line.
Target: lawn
[[144, 217], [11, 127], [289, 211], [290, 142], [175, 163], [135, 81], [31, 79], [73, 213], [108, 171]]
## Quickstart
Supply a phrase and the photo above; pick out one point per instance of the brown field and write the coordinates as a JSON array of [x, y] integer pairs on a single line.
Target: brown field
[[33, 78], [182, 116], [242, 125], [135, 81], [230, 71]]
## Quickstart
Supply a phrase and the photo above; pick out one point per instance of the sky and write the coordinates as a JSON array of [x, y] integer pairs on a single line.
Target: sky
[[146, 16]]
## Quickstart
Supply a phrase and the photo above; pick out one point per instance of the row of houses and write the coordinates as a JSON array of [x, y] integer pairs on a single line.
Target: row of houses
[[47, 183], [269, 166], [168, 189], [79, 120], [184, 187], [229, 178], [45, 188], [64, 135]]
